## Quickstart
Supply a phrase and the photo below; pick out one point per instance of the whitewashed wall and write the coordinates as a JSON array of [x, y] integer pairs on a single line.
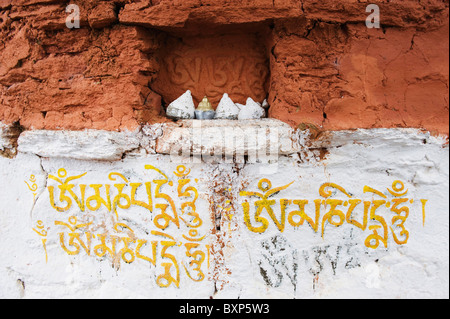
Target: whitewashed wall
[[228, 250]]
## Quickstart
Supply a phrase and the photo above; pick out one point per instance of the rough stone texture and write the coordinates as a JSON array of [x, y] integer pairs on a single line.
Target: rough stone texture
[[40, 261], [182, 108], [85, 145], [55, 78], [262, 137], [8, 139], [326, 68], [188, 138], [237, 64], [228, 137]]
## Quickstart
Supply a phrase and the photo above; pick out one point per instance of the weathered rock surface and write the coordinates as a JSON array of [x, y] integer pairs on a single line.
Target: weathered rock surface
[[83, 145], [228, 137], [323, 66], [9, 135]]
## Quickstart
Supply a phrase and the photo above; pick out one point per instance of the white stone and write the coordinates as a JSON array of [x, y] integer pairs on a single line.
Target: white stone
[[182, 108], [264, 136], [251, 111], [227, 109], [84, 145]]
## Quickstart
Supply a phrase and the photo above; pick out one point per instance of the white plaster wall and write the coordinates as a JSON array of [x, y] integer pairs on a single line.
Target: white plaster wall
[[293, 263], [64, 276], [300, 263]]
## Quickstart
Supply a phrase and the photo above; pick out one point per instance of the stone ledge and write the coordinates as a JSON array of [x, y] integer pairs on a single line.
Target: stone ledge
[[84, 145], [230, 137], [377, 137], [266, 137]]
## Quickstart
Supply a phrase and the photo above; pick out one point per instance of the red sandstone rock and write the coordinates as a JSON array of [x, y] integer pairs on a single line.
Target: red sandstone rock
[[102, 15], [326, 68]]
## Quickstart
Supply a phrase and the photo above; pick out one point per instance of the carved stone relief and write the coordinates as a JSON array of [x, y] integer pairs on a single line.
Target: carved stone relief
[[211, 66]]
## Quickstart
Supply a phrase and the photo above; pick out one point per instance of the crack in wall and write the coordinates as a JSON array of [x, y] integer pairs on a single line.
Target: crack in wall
[[223, 198], [44, 188]]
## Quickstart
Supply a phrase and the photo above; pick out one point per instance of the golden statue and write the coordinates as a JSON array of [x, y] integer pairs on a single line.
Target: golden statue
[[205, 110], [205, 105]]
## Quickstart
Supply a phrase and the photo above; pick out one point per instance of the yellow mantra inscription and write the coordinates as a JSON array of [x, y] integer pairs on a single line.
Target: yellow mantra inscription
[[333, 213], [124, 246], [121, 244]]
